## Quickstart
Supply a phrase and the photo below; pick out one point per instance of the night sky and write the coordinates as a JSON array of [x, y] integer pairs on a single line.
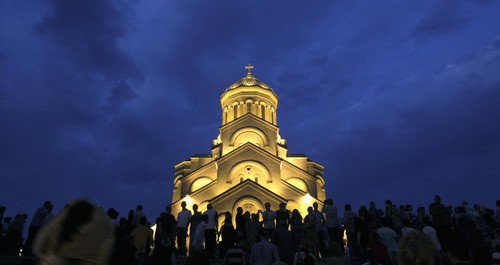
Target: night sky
[[101, 99]]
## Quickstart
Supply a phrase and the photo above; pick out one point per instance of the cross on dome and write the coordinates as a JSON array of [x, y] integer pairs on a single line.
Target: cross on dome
[[249, 68]]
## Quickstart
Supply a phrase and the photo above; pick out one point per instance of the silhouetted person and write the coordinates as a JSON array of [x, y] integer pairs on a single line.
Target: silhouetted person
[[183, 218], [36, 223], [268, 218], [138, 215], [240, 221], [264, 252], [283, 239], [193, 224], [210, 231], [228, 234], [332, 223], [441, 219], [282, 214], [142, 237]]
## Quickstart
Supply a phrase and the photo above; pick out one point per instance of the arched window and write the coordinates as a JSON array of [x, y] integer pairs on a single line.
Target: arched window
[[263, 111], [249, 107], [235, 112]]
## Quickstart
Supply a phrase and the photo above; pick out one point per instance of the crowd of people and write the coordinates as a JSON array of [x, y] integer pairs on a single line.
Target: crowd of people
[[84, 233]]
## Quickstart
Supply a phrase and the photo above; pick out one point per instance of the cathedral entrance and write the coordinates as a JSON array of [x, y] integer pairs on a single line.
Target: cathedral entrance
[[249, 204]]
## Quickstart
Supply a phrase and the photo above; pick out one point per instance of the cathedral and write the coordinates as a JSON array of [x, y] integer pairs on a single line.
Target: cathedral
[[249, 164]]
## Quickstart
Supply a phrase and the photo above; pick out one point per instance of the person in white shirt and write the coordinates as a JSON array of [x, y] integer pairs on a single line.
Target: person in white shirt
[[332, 222], [182, 224], [210, 230], [268, 217]]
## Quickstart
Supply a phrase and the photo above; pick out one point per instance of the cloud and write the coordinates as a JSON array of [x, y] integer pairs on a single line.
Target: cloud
[[88, 32], [120, 94], [444, 18]]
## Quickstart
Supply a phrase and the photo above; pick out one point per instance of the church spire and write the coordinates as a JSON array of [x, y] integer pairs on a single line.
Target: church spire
[[249, 96]]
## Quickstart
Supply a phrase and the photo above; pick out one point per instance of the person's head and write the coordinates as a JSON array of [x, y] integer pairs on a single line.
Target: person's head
[[497, 203], [465, 203], [228, 217], [296, 214], [168, 209], [247, 215], [2, 209], [48, 206], [268, 206], [409, 208], [347, 207], [315, 206], [421, 210], [255, 217], [388, 203], [138, 208], [372, 205], [328, 201], [417, 248], [239, 210], [131, 214], [362, 210], [437, 199], [122, 221], [310, 210], [282, 206], [112, 213], [183, 204], [195, 208], [209, 206]]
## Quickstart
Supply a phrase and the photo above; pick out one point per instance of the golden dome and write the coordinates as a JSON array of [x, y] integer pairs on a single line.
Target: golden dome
[[248, 81]]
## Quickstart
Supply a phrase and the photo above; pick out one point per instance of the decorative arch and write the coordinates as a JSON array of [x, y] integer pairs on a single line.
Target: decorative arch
[[249, 134], [298, 183], [252, 170], [177, 189], [320, 188], [199, 183], [248, 203]]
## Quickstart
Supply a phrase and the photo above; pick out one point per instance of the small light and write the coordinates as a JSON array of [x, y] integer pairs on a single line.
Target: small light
[[307, 199]]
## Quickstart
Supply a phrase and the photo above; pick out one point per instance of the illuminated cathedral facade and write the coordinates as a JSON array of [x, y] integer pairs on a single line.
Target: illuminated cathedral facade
[[249, 164]]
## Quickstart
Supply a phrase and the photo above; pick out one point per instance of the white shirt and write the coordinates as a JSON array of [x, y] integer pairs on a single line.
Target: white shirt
[[269, 217], [332, 218], [183, 218], [212, 216]]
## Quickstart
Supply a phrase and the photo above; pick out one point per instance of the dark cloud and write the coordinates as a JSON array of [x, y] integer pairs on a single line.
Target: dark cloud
[[120, 94], [88, 31], [101, 98], [445, 17]]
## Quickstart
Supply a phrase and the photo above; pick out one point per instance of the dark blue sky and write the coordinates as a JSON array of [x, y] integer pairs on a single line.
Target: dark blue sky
[[100, 99]]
